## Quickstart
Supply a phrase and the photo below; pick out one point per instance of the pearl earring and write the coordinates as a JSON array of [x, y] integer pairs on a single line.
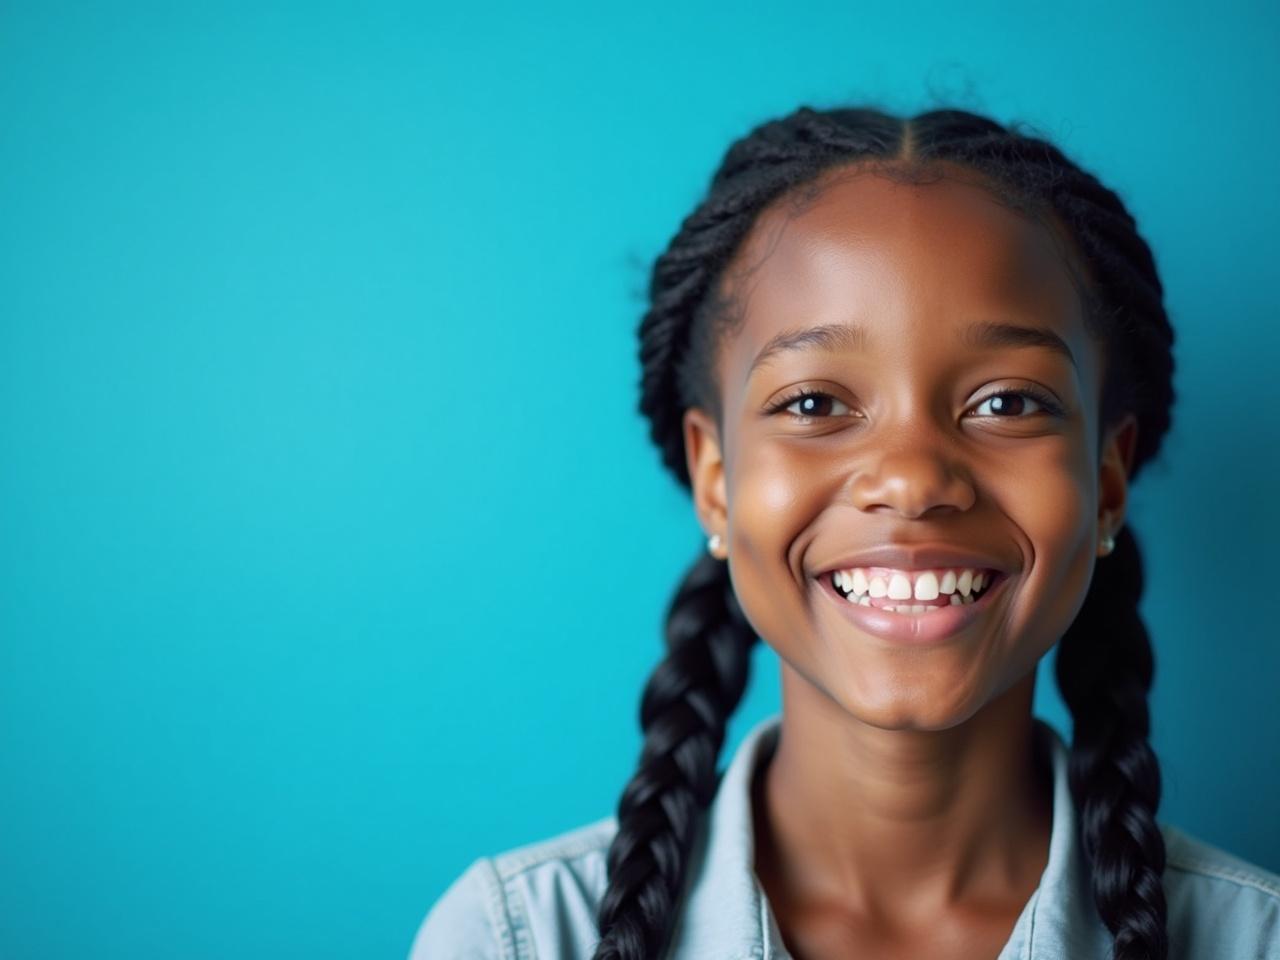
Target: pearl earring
[[713, 543], [1108, 544]]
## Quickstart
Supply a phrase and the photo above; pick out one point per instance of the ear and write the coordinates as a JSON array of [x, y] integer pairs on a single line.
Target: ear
[[1114, 466], [705, 460]]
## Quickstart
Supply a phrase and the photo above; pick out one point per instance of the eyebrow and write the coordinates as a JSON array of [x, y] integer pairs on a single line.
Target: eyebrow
[[839, 337]]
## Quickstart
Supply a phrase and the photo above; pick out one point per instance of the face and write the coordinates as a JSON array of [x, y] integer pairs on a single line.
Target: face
[[909, 393]]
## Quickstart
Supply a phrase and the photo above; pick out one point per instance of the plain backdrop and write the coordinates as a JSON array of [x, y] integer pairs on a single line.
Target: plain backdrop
[[333, 551]]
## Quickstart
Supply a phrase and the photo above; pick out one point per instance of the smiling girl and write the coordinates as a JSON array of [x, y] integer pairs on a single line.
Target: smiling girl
[[908, 369]]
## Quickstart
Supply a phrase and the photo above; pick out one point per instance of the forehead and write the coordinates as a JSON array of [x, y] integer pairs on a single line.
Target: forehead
[[901, 259]]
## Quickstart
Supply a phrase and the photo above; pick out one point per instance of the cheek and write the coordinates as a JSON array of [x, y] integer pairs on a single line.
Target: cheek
[[1057, 514], [773, 498]]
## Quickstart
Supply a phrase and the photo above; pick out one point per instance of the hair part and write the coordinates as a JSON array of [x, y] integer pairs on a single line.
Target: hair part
[[1105, 663]]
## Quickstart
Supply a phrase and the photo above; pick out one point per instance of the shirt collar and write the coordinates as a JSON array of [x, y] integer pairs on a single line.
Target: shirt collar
[[726, 913]]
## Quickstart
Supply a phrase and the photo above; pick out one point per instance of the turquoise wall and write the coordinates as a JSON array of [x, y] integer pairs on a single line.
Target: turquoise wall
[[333, 552]]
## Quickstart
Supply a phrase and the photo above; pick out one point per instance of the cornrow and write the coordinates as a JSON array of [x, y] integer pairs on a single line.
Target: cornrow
[[1105, 663]]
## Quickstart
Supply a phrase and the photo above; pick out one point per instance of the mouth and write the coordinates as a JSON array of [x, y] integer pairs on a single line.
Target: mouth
[[912, 592], [913, 606]]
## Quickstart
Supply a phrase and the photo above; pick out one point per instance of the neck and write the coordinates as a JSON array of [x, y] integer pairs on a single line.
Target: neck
[[901, 822]]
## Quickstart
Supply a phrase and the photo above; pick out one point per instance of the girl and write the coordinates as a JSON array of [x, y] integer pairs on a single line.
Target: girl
[[907, 369]]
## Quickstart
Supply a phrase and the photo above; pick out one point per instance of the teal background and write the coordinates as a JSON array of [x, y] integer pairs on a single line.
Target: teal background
[[333, 551]]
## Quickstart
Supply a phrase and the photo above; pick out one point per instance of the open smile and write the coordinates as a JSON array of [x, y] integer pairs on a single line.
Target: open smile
[[916, 606]]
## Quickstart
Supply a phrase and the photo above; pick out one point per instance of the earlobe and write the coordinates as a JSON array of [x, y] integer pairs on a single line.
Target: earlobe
[[705, 462]]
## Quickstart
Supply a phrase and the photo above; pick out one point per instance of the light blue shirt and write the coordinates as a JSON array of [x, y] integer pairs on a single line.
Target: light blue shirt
[[540, 900]]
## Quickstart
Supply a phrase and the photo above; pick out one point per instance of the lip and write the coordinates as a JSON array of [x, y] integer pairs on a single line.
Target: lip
[[902, 556], [915, 629]]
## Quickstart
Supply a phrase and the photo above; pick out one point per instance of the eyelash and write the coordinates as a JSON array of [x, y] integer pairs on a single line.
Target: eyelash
[[1041, 397]]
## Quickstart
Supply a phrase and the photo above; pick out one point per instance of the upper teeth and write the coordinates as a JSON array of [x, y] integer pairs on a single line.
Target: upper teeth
[[908, 584]]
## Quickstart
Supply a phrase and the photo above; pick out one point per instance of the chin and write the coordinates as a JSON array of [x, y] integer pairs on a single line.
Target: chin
[[899, 704]]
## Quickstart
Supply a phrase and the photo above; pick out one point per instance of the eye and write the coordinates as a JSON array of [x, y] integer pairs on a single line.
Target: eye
[[811, 403], [1016, 404]]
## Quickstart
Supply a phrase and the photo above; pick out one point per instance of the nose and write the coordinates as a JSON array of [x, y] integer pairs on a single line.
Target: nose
[[912, 479]]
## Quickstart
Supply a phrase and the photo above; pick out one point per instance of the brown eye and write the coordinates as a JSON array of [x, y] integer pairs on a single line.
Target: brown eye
[[814, 404], [1006, 404], [1014, 404]]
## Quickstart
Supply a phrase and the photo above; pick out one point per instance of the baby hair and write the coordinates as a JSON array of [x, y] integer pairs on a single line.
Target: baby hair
[[1105, 663]]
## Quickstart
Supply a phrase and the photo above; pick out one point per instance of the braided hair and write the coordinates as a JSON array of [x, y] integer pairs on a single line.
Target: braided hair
[[1105, 663]]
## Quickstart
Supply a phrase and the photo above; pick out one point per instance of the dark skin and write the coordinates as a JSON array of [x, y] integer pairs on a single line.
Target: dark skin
[[904, 813]]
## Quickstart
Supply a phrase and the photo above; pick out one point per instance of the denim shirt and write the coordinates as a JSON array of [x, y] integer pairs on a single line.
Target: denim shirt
[[540, 900]]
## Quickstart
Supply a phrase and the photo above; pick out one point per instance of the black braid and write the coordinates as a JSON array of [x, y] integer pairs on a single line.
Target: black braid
[[1104, 663], [1104, 671], [686, 705]]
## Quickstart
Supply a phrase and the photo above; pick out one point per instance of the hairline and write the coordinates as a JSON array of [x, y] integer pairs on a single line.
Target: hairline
[[722, 311]]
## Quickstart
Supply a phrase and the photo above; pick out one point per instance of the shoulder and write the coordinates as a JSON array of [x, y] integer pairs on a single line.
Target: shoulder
[[1220, 905], [535, 900]]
